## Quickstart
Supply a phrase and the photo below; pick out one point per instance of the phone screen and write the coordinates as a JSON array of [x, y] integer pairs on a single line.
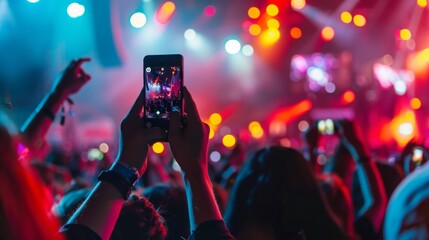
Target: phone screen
[[326, 126], [417, 156], [163, 75], [162, 91]]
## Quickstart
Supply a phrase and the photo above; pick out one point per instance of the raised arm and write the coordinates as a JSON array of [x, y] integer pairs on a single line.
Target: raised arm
[[37, 125], [189, 145], [312, 137], [374, 194], [100, 211]]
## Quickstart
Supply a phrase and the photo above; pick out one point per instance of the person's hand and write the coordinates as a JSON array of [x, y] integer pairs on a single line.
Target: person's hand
[[312, 136], [349, 137], [72, 79], [189, 144], [135, 139]]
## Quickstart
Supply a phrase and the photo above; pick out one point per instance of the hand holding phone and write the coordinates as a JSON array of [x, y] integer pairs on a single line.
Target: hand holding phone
[[163, 82]]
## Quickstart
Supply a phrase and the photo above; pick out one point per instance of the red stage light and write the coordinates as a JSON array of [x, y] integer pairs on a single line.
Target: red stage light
[[295, 32]]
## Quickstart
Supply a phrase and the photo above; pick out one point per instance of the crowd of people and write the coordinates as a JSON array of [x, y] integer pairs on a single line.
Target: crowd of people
[[273, 192]]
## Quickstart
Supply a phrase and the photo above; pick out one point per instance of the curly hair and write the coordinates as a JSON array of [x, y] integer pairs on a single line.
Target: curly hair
[[139, 220]]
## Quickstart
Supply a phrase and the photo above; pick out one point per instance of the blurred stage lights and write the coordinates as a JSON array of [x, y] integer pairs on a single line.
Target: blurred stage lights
[[406, 129], [232, 46], [229, 141], [255, 29], [138, 20], [210, 11], [33, 1], [422, 3], [215, 156], [348, 96], [215, 119], [405, 34], [359, 20], [247, 50], [75, 10], [165, 12], [272, 10], [253, 12], [190, 34], [295, 32], [273, 23], [415, 103], [298, 4], [158, 147], [269, 37], [346, 17], [103, 147], [328, 33]]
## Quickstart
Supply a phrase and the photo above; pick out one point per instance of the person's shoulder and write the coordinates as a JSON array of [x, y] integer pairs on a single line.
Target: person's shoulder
[[408, 203]]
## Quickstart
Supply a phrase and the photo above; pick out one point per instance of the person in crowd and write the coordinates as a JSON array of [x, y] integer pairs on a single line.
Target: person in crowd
[[276, 196], [170, 200], [24, 211], [97, 216], [407, 215]]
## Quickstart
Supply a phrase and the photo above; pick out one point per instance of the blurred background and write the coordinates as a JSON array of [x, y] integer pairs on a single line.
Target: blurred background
[[259, 70]]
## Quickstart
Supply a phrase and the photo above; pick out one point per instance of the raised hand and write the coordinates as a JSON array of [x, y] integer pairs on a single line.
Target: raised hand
[[72, 79]]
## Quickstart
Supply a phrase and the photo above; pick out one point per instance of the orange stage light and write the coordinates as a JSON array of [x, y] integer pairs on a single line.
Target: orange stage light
[[272, 10], [215, 119], [255, 29], [359, 20], [346, 17], [422, 3], [298, 4], [405, 34], [269, 37], [328, 33], [273, 23], [295, 32], [229, 141], [415, 103], [254, 12], [165, 12], [402, 128], [158, 148], [348, 96], [287, 114]]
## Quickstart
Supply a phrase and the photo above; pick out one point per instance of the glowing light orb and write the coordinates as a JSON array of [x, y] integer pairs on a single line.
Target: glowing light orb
[[158, 148], [138, 20], [232, 46], [75, 10], [229, 141]]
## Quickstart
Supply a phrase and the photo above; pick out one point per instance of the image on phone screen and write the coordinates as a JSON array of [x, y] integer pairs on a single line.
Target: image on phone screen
[[162, 88]]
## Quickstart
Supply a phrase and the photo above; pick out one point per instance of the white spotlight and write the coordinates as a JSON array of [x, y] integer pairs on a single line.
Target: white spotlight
[[190, 34], [75, 10], [232, 46], [32, 1], [138, 20], [247, 50]]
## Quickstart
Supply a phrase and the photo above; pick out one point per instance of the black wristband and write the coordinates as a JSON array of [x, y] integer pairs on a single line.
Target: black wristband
[[118, 181], [48, 113]]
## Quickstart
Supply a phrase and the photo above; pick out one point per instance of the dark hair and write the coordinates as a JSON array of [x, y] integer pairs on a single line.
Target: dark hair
[[277, 188], [138, 220], [170, 201]]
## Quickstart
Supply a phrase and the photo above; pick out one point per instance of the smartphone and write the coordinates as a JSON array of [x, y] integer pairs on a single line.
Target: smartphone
[[326, 126], [163, 83], [417, 156]]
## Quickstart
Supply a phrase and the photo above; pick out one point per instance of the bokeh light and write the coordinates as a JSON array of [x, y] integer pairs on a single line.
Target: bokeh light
[[165, 12], [303, 126], [229, 141], [272, 10], [215, 119], [298, 4], [348, 96], [158, 147], [328, 33], [210, 11], [422, 3], [138, 20], [232, 46], [295, 32], [33, 1], [103, 147], [254, 12], [346, 17], [415, 103], [211, 133], [215, 156], [269, 37], [75, 10], [273, 23], [359, 20], [405, 34], [255, 29], [247, 50], [190, 34]]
